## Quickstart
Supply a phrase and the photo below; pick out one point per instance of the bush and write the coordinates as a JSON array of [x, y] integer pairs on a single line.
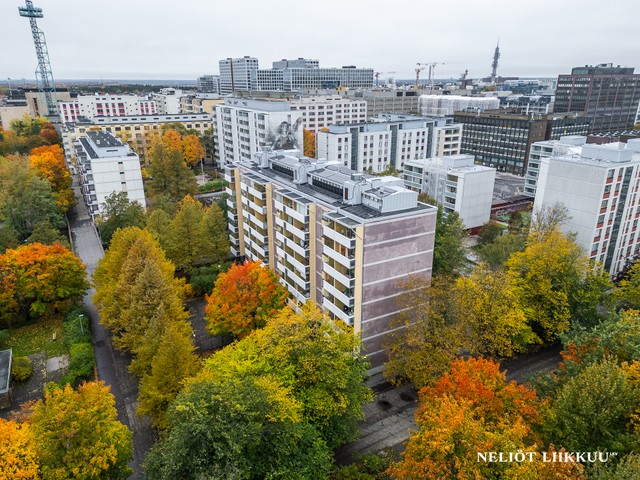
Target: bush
[[21, 369], [4, 337], [76, 328], [202, 280], [212, 186], [82, 360]]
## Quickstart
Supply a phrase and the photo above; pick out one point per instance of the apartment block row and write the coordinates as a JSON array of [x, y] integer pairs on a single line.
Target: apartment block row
[[344, 239], [106, 105]]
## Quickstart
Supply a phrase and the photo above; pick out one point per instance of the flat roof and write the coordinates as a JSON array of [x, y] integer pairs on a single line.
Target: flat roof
[[104, 139]]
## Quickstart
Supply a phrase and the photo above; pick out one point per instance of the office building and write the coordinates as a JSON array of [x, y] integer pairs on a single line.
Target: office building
[[503, 138], [387, 141], [105, 166], [322, 111], [105, 105], [525, 104], [245, 126], [567, 145], [238, 74], [133, 129], [456, 183], [443, 105], [342, 239], [608, 95], [599, 187], [208, 84], [387, 101]]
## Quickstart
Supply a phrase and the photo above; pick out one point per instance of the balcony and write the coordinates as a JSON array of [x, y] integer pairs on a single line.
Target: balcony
[[344, 316], [338, 257], [336, 293], [337, 237], [335, 274]]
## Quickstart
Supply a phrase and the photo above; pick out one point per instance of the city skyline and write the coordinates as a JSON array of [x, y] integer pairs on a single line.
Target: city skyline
[[185, 42]]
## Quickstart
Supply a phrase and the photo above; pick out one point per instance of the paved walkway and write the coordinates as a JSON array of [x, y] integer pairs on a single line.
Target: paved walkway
[[112, 366]]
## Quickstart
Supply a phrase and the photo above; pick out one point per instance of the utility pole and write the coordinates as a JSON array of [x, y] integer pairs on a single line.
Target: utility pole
[[44, 76]]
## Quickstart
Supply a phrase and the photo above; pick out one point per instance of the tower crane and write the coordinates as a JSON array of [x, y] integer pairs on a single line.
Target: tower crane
[[421, 66], [377, 75]]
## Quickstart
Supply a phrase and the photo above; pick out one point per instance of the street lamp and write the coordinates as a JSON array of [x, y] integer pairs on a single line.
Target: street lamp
[[80, 317]]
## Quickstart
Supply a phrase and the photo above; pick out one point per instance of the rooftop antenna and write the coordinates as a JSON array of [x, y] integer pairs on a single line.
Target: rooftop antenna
[[494, 64], [44, 76]]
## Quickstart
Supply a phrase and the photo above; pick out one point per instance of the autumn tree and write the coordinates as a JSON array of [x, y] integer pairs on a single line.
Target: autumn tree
[[49, 163], [309, 142], [173, 362], [628, 291], [119, 212], [319, 360], [248, 428], [470, 409], [495, 254], [548, 277], [426, 336], [17, 451], [170, 174], [490, 314], [449, 254], [196, 235], [39, 279], [243, 299], [192, 149], [78, 434], [26, 134]]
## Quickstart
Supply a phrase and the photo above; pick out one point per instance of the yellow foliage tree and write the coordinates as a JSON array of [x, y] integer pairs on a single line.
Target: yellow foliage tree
[[50, 164], [192, 149], [17, 451]]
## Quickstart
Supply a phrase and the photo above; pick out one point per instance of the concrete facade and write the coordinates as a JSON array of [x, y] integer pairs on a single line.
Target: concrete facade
[[342, 239], [91, 106]]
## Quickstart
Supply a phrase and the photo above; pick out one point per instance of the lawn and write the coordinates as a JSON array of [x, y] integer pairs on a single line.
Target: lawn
[[47, 335]]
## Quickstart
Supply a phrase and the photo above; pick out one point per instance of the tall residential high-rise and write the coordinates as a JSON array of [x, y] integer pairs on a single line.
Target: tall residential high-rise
[[342, 239], [608, 95], [599, 186]]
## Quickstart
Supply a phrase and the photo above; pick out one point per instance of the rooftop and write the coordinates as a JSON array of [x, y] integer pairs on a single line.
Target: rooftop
[[104, 139]]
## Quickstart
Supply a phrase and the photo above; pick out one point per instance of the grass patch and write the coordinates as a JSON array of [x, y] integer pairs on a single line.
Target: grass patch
[[38, 337]]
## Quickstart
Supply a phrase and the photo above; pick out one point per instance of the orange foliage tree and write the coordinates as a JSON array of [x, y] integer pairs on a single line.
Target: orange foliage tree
[[17, 451], [309, 138], [473, 409], [243, 299], [38, 279], [192, 149], [49, 162]]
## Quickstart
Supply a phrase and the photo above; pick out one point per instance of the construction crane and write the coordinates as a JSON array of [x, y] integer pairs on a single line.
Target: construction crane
[[377, 75], [44, 76], [421, 66]]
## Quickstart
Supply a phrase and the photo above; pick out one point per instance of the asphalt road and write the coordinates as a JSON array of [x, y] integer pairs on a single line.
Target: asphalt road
[[389, 419], [111, 365]]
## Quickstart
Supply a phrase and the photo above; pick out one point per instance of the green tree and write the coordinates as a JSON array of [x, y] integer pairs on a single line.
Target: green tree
[[490, 232], [78, 434], [173, 362], [246, 428], [243, 299], [592, 411], [496, 253], [119, 212], [628, 291], [315, 357], [449, 254], [26, 200]]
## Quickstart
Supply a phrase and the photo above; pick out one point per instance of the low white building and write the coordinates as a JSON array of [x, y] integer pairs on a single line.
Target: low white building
[[456, 183], [442, 105], [106, 105], [388, 141], [599, 187], [105, 166]]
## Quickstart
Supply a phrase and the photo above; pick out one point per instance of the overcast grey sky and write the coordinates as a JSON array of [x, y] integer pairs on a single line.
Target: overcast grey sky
[[169, 39]]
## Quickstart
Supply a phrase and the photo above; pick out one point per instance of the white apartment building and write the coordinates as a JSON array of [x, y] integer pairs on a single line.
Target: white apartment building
[[567, 145], [91, 106], [168, 101], [456, 183], [322, 111], [244, 126], [443, 105], [342, 239], [106, 165], [388, 141], [600, 188]]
